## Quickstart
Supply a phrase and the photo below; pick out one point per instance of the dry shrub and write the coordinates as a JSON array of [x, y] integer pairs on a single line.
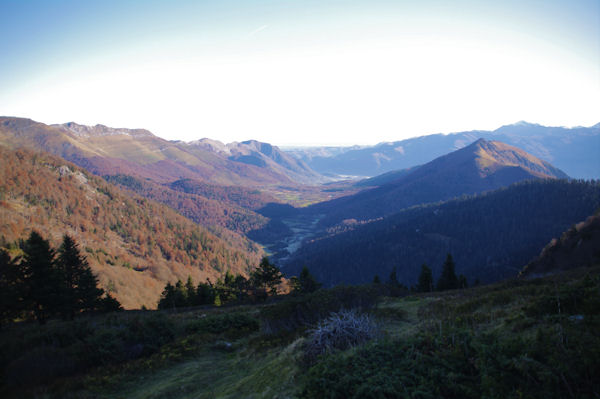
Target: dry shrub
[[340, 331]]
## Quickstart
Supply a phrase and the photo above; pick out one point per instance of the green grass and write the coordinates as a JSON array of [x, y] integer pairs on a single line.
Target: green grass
[[512, 339]]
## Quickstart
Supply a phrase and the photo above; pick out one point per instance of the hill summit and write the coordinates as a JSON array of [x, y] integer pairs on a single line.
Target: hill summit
[[481, 166]]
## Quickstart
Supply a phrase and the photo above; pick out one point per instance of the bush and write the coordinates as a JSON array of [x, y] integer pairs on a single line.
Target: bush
[[217, 324], [296, 312], [340, 331]]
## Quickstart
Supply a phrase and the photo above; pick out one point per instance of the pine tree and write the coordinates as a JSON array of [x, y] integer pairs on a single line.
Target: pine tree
[[306, 282], [462, 282], [79, 288], [448, 279], [180, 295], [41, 278], [266, 277], [167, 297], [190, 292], [425, 283], [109, 304], [11, 288], [393, 279], [205, 293]]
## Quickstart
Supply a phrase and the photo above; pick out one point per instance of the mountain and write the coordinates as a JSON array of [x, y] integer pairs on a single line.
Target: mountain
[[135, 245], [263, 155], [573, 150], [579, 246], [110, 151], [491, 236], [481, 166], [210, 207]]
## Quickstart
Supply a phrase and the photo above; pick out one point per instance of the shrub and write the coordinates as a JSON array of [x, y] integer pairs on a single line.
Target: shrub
[[293, 313], [340, 331], [217, 324]]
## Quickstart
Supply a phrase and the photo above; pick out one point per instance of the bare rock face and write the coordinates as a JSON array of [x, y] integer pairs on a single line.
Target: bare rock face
[[84, 131]]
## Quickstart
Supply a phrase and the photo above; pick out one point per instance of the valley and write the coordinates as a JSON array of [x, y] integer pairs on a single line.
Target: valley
[[258, 198], [203, 231], [333, 199]]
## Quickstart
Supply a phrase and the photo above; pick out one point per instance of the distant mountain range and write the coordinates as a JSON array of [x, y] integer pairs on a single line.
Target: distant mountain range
[[573, 150], [110, 151], [481, 166], [418, 206]]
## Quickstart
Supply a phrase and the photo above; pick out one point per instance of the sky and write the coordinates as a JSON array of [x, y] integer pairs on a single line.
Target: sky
[[302, 72]]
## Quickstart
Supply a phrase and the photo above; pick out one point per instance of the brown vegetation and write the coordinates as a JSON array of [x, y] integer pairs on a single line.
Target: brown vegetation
[[134, 245]]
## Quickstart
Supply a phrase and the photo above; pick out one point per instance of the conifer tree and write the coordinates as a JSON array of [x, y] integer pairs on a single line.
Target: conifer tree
[[205, 293], [180, 295], [190, 292], [42, 280], [448, 279], [267, 276], [462, 282], [79, 288], [425, 283], [11, 287], [393, 279], [167, 297], [305, 282]]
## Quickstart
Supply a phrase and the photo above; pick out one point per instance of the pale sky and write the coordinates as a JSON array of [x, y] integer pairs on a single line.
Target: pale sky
[[325, 72]]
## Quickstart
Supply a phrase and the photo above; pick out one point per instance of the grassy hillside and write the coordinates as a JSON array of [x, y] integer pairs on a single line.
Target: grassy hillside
[[516, 339], [135, 245], [108, 151]]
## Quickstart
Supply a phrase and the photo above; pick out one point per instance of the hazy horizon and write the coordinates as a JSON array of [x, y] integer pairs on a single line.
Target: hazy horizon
[[310, 73]]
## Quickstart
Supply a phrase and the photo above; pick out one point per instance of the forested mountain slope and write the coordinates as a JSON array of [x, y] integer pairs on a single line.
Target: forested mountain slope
[[490, 236], [577, 247], [135, 245], [208, 205], [481, 166]]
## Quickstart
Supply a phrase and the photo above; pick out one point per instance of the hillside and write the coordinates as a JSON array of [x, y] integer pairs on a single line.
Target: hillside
[[573, 150], [133, 244], [109, 151], [207, 205], [491, 236], [530, 339], [577, 247], [481, 166]]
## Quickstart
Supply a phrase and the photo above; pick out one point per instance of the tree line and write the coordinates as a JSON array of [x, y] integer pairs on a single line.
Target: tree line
[[262, 283], [42, 282], [447, 281]]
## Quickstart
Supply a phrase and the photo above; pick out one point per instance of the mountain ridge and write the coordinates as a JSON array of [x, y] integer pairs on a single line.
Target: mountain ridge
[[573, 150], [481, 166]]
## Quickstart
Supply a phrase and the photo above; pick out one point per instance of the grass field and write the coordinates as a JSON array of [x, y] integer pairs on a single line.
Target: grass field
[[511, 339]]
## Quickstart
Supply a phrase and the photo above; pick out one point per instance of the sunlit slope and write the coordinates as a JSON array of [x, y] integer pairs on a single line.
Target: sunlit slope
[[481, 166], [135, 245]]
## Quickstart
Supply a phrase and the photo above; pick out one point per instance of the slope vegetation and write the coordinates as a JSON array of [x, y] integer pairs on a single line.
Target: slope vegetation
[[490, 236], [133, 244], [577, 247], [479, 167]]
